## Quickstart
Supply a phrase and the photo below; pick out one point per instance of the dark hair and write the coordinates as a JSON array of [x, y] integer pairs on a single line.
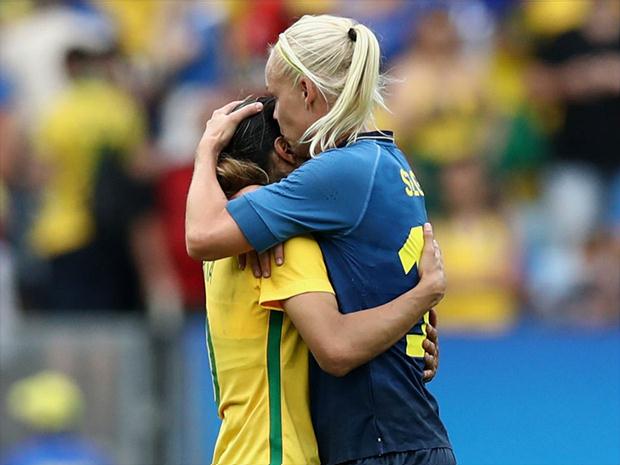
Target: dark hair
[[246, 158]]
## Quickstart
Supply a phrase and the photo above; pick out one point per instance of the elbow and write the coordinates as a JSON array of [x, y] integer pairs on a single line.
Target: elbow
[[336, 370], [199, 245], [334, 360]]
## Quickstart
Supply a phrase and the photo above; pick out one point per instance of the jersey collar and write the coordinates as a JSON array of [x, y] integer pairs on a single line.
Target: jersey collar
[[383, 136], [379, 136]]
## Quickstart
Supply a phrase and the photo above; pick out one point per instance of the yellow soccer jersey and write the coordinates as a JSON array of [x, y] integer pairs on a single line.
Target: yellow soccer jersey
[[258, 359]]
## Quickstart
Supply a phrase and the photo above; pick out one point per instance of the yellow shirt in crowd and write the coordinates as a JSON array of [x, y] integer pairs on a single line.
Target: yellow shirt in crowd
[[476, 258], [87, 118], [258, 359]]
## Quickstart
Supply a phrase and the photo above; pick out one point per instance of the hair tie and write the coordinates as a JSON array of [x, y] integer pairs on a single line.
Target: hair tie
[[352, 34]]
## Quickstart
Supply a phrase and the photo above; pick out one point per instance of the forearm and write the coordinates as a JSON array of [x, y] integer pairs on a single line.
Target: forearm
[[205, 199], [210, 232], [368, 333], [342, 342]]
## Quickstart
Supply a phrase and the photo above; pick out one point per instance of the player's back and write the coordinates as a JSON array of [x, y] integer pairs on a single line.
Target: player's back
[[384, 403]]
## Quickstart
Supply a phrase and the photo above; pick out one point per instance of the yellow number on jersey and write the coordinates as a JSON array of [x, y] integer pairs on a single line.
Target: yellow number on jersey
[[414, 341], [411, 251]]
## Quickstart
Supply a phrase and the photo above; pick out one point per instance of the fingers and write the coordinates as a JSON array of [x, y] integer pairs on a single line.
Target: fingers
[[227, 108], [428, 375], [261, 264], [428, 260], [428, 236], [254, 262], [278, 254], [265, 264], [244, 112], [431, 344], [430, 348], [222, 125], [242, 259], [431, 333], [238, 115], [432, 318], [431, 360], [430, 368]]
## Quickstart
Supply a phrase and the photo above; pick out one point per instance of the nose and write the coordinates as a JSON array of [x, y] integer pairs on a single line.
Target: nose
[[275, 111]]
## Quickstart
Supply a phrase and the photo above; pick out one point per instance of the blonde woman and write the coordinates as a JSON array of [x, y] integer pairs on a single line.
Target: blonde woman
[[361, 200]]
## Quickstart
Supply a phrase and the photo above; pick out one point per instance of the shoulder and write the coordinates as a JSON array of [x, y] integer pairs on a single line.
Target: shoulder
[[302, 259], [342, 166], [302, 247], [303, 271], [362, 152]]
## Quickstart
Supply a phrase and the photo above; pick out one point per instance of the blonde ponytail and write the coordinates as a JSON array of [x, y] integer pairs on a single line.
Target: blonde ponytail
[[342, 58]]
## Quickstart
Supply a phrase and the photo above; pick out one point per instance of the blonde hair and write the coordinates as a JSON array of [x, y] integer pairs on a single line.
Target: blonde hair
[[342, 58]]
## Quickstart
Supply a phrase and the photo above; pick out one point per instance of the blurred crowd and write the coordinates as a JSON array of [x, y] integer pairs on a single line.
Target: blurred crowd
[[509, 112]]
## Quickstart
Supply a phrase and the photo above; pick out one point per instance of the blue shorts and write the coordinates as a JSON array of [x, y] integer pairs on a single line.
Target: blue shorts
[[439, 456]]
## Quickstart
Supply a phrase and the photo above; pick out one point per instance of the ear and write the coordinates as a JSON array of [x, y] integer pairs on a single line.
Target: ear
[[309, 91], [284, 151]]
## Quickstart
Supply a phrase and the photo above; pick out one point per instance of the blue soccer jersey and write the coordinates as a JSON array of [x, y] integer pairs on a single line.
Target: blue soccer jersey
[[366, 210]]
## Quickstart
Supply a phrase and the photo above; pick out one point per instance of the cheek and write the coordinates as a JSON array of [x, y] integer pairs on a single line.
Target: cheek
[[284, 115], [295, 106]]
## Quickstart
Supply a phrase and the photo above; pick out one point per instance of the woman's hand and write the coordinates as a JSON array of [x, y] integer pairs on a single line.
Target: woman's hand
[[221, 127], [433, 281], [261, 263], [430, 268], [431, 348]]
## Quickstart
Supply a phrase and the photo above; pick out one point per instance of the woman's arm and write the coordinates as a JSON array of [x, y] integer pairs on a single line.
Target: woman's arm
[[210, 231], [342, 342]]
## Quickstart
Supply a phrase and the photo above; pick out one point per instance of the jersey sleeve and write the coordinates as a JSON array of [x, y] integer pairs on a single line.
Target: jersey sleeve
[[328, 194], [303, 271]]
